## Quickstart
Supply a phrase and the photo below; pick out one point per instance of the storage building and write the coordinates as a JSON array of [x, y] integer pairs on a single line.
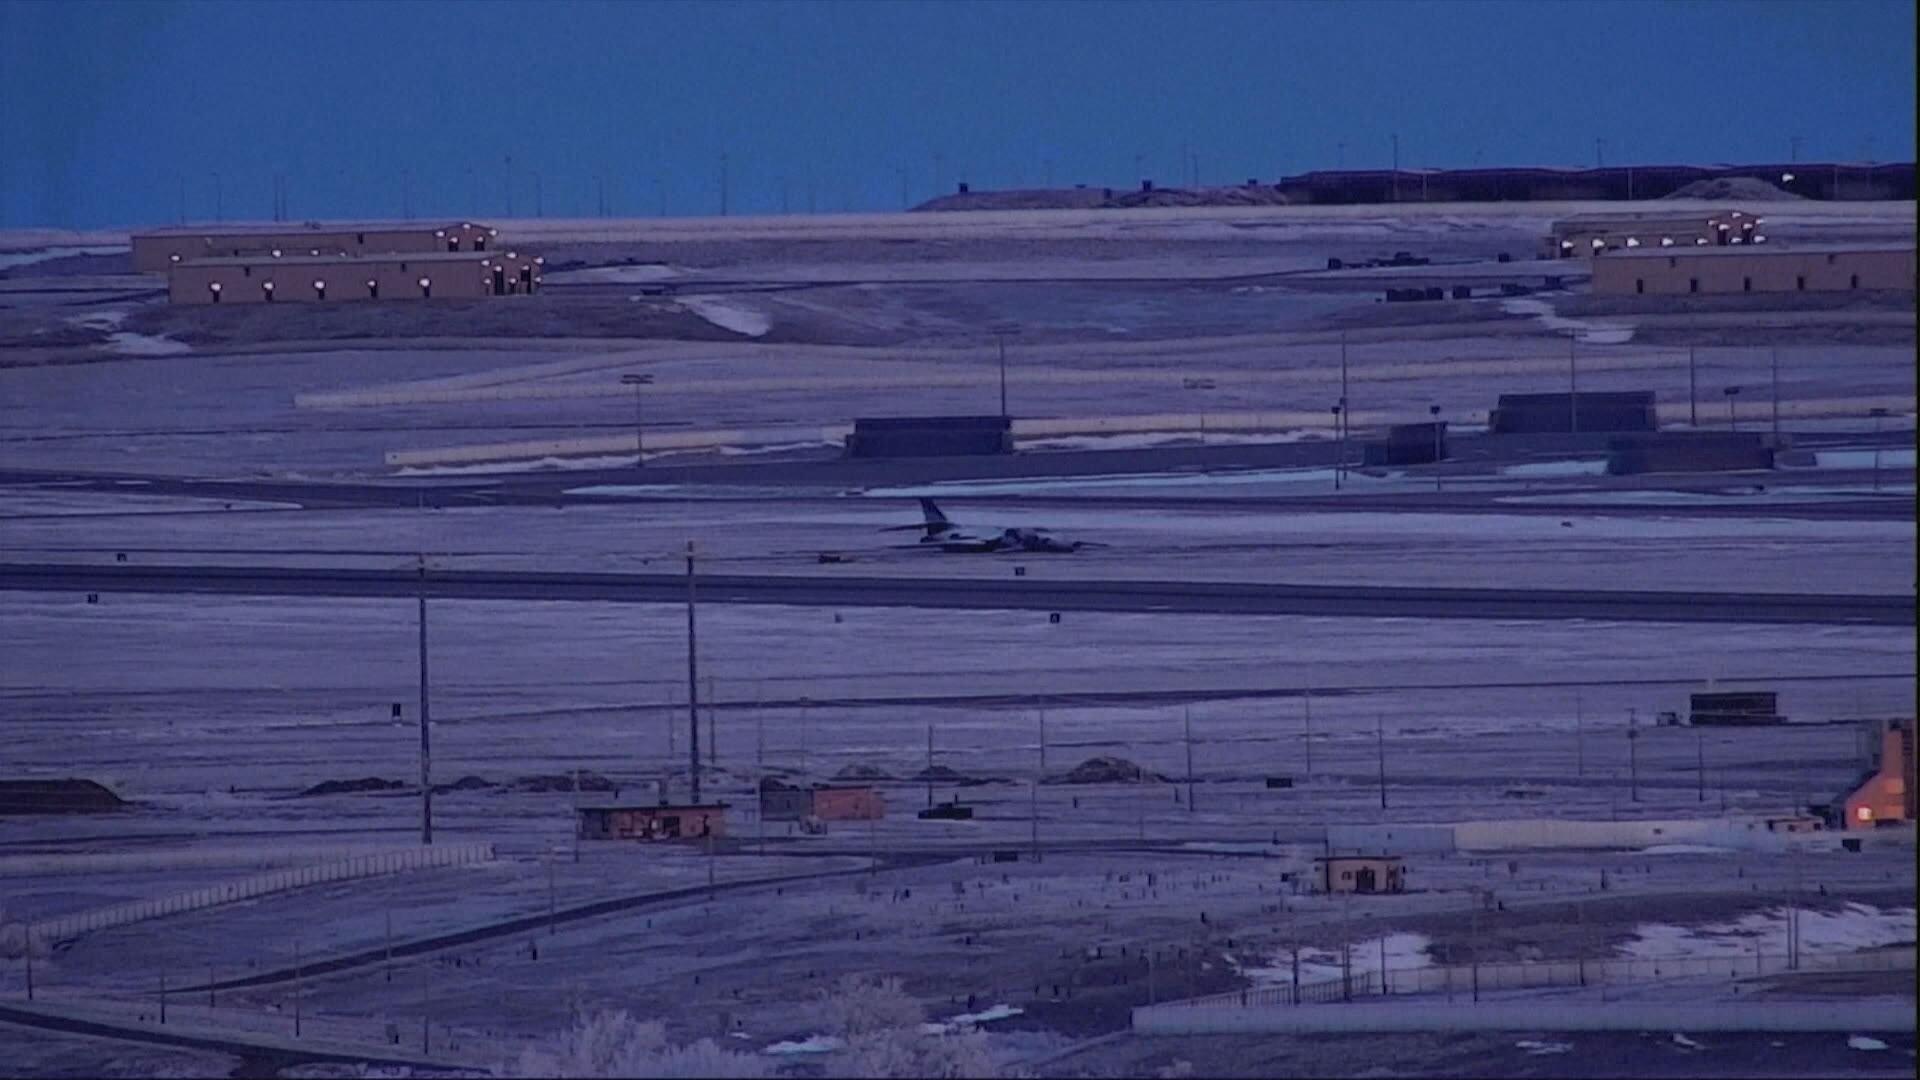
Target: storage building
[[1769, 268], [1586, 237], [1612, 410], [259, 279], [656, 823], [1360, 874]]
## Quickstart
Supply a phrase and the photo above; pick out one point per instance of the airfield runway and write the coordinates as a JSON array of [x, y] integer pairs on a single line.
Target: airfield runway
[[1223, 598]]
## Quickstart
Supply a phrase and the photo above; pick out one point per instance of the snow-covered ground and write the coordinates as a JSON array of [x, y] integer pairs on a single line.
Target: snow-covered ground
[[1853, 927]]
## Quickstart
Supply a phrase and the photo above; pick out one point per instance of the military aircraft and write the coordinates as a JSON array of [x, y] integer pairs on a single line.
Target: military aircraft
[[940, 534]]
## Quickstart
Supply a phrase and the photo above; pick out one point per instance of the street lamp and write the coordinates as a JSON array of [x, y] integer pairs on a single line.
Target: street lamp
[[637, 381], [1731, 392], [1878, 415], [1434, 411]]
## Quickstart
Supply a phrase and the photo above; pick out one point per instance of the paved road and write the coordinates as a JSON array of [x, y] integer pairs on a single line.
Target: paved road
[[1215, 598]]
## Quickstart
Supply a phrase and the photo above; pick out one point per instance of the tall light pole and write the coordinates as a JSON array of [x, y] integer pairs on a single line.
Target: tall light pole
[[1001, 336], [1731, 392], [1343, 368], [1573, 384], [1878, 415], [693, 688], [1434, 411], [426, 720], [1340, 440], [1774, 356], [1693, 400], [637, 381]]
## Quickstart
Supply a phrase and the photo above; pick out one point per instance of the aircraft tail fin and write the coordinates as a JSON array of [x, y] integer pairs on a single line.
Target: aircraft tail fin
[[936, 520]]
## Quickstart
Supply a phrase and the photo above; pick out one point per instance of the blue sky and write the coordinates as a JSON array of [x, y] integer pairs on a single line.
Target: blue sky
[[117, 113]]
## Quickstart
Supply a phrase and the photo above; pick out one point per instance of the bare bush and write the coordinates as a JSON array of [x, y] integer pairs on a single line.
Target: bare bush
[[881, 1026], [615, 1044]]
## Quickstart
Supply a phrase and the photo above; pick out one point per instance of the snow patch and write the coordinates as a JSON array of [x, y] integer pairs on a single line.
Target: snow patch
[[1404, 952], [1682, 1040], [812, 1044], [1558, 468], [1864, 1042], [1536, 1048], [1863, 459], [131, 344], [12, 259], [1685, 849], [1854, 927], [1144, 480], [728, 315], [1593, 333]]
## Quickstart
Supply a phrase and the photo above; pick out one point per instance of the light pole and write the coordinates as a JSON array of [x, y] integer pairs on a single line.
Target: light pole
[[1000, 336], [1434, 411], [637, 381], [1774, 356], [1878, 415], [1731, 392], [1573, 384]]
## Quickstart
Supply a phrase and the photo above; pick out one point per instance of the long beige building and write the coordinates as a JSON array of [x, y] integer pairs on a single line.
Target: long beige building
[[1770, 268], [265, 279], [159, 249]]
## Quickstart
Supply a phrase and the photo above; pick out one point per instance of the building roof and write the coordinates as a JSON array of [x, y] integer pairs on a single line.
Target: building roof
[[652, 807], [288, 228], [1770, 248], [1652, 218], [340, 258], [1345, 858]]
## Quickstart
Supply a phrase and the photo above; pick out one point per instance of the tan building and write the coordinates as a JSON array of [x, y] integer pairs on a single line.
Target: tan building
[[658, 823], [1752, 269], [157, 250], [1585, 237], [258, 279], [1886, 795]]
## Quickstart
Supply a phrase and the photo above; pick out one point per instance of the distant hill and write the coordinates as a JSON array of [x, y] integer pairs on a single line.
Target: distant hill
[[1106, 198]]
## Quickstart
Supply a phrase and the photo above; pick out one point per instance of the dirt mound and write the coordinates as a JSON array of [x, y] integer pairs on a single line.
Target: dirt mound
[[68, 796], [588, 780], [1734, 187], [861, 773], [465, 783], [1106, 770], [940, 774], [351, 787], [1107, 198]]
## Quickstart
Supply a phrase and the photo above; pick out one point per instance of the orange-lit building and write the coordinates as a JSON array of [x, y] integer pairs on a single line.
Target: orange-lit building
[[848, 804], [1885, 795]]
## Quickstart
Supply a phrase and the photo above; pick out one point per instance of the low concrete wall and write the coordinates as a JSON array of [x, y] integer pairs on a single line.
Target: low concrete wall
[[1380, 1014], [1389, 839], [1532, 834]]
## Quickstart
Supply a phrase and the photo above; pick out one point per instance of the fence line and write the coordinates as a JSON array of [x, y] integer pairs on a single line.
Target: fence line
[[1521, 975], [359, 866]]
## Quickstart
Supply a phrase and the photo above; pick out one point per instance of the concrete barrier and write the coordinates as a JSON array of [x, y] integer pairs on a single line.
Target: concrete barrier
[[1812, 1016], [64, 927]]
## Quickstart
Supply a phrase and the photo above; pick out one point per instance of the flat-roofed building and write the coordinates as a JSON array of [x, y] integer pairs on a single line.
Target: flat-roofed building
[[1587, 236], [156, 250], [261, 279], [1768, 268]]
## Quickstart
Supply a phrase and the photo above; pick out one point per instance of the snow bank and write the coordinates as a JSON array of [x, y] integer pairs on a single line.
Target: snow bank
[[967, 1020], [1404, 952], [1557, 468], [1854, 927], [1593, 333], [12, 259], [812, 1044], [728, 315]]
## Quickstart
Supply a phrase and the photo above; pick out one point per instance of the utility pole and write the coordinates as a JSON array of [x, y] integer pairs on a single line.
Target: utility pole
[[1307, 739], [1693, 400], [1573, 385], [426, 725], [713, 734], [1343, 377], [1380, 744], [1002, 337], [929, 766], [693, 685], [1579, 738], [1878, 415], [1187, 712], [1774, 356], [1633, 754], [1043, 739], [1340, 440], [1700, 765]]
